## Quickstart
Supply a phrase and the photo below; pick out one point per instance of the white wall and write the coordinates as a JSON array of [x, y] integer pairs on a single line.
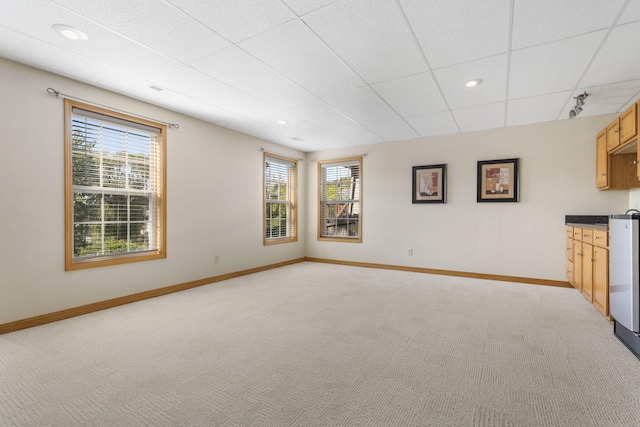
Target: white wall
[[214, 201], [526, 239]]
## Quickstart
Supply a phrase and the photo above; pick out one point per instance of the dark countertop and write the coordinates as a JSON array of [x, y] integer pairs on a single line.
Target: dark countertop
[[599, 222]]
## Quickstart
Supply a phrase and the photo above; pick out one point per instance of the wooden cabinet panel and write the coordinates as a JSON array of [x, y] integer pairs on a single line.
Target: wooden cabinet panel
[[601, 280], [613, 135], [577, 265], [629, 124], [587, 271], [588, 265], [602, 161]]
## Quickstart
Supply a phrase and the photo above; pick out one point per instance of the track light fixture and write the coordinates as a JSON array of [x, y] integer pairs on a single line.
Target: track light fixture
[[579, 104]]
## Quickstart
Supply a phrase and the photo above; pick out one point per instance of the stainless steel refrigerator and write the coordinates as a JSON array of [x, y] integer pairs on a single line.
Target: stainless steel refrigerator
[[624, 278]]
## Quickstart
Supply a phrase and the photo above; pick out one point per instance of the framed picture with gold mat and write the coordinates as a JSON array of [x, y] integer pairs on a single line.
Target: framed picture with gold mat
[[498, 180], [430, 184]]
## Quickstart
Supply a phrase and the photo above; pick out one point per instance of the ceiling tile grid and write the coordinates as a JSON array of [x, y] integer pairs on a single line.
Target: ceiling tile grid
[[342, 72]]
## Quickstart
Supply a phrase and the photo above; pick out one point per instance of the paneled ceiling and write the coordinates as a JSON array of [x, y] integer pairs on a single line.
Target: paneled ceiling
[[342, 72]]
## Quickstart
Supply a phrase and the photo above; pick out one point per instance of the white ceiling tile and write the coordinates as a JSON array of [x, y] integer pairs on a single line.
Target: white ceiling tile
[[321, 114], [358, 136], [165, 31], [102, 45], [455, 31], [434, 124], [27, 50], [606, 99], [302, 7], [618, 59], [193, 83], [237, 19], [541, 21], [326, 140], [248, 127], [536, 109], [181, 103], [247, 74], [394, 130], [412, 96], [294, 51], [631, 13], [362, 105], [552, 67], [493, 72], [380, 47], [480, 118], [294, 125]]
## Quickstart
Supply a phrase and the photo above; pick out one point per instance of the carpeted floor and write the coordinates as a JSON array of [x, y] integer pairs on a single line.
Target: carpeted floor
[[325, 345]]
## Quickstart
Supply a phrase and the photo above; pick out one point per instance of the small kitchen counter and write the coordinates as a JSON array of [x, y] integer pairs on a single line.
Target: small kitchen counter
[[596, 222]]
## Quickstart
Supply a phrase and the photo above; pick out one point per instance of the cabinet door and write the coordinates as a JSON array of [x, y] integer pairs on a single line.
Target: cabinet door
[[587, 271], [628, 124], [613, 134], [577, 265], [602, 161], [601, 280]]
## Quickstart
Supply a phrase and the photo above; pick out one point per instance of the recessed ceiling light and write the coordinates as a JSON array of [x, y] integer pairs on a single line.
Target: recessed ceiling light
[[70, 32], [282, 122], [473, 83]]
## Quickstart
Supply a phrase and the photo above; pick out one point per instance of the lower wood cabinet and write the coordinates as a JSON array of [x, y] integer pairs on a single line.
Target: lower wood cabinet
[[588, 265]]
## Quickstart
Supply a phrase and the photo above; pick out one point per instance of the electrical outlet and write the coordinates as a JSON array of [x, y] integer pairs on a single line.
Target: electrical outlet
[[410, 252], [216, 259]]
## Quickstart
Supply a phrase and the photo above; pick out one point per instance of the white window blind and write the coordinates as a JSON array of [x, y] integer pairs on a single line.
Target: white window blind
[[280, 217], [116, 185], [340, 202]]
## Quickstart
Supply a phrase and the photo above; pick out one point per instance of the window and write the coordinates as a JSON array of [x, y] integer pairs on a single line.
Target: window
[[280, 204], [114, 187], [340, 200]]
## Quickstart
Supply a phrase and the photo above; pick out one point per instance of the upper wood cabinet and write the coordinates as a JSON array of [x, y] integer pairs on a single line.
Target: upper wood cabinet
[[617, 153], [629, 124]]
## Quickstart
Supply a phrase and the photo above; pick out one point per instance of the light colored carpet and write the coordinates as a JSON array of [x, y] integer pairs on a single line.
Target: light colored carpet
[[326, 345]]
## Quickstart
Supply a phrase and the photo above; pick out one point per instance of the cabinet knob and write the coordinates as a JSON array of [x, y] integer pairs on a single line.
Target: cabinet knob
[[617, 130], [595, 237], [590, 259]]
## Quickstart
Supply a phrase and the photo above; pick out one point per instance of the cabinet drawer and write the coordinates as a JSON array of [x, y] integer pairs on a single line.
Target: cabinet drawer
[[577, 233], [570, 272], [601, 238], [569, 232], [587, 235], [570, 249]]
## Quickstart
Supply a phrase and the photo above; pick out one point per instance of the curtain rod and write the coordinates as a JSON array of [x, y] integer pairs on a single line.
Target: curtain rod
[[64, 95], [280, 154], [361, 155]]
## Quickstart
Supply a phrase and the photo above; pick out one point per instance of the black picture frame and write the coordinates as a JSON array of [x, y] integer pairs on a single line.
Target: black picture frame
[[429, 184], [498, 181]]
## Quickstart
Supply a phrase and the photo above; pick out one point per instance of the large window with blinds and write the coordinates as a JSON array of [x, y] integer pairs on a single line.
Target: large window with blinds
[[280, 199], [340, 200], [115, 187]]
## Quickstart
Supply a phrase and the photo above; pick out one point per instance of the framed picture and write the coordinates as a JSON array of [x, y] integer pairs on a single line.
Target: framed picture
[[430, 184], [498, 180]]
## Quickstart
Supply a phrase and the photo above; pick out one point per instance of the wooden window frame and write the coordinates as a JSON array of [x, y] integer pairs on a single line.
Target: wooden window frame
[[292, 201], [320, 199], [77, 263]]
